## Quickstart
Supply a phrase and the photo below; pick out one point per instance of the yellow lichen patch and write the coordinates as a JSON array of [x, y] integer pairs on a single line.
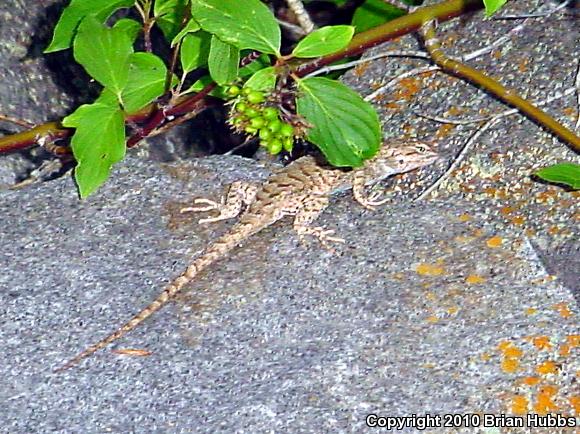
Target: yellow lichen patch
[[563, 310], [531, 311], [465, 218], [485, 357], [544, 403], [519, 404], [408, 87], [429, 270], [575, 403], [444, 130], [542, 342], [474, 279], [494, 242], [453, 310], [432, 319], [509, 365], [573, 340], [518, 220], [506, 210], [547, 367]]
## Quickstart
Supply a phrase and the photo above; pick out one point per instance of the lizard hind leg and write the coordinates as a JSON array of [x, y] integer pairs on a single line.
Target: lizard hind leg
[[307, 213], [239, 194]]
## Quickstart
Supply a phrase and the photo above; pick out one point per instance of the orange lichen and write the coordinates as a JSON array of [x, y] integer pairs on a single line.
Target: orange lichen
[[408, 87], [510, 365], [530, 381], [544, 403], [474, 279], [542, 342], [494, 242], [432, 319], [563, 310], [575, 403], [506, 210], [519, 404], [547, 367], [518, 220], [573, 340], [429, 270], [444, 130]]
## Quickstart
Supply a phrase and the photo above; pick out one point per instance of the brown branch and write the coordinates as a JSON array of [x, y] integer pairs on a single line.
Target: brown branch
[[492, 86], [399, 26]]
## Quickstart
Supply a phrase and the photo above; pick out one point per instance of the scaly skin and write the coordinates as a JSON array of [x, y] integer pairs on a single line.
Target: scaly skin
[[301, 189]]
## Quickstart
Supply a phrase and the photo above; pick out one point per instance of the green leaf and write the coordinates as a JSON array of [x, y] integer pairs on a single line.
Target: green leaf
[[563, 173], [104, 53], [147, 76], [130, 27], [169, 16], [261, 62], [344, 126], [218, 91], [373, 13], [492, 6], [98, 142], [190, 27], [223, 61], [243, 23], [264, 80], [324, 41], [195, 49], [73, 15]]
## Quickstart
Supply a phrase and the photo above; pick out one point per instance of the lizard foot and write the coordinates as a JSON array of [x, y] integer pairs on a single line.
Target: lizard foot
[[371, 202], [210, 205], [323, 236]]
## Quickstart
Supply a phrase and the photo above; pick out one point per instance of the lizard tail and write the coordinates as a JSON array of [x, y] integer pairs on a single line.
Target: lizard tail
[[215, 252]]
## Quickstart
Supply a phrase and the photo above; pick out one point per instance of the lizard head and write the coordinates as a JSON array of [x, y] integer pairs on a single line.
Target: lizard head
[[409, 155]]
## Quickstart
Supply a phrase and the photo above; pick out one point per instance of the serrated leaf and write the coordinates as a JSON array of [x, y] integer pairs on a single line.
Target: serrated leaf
[[130, 27], [223, 61], [190, 27], [104, 53], [169, 16], [98, 142], [563, 173], [74, 14], [264, 80], [243, 23], [195, 49], [492, 6], [344, 126], [373, 13], [147, 76], [324, 41]]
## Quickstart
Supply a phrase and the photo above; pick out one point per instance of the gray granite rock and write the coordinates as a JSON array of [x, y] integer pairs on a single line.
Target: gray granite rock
[[449, 305]]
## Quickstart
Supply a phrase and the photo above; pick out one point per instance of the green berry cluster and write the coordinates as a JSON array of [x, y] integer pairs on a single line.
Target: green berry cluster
[[252, 116]]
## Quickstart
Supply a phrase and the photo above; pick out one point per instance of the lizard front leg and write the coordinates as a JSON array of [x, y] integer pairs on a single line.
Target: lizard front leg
[[239, 194], [306, 212], [358, 192]]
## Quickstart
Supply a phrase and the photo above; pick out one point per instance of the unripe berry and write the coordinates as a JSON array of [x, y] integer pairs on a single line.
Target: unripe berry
[[286, 130], [256, 97], [275, 146], [288, 143], [257, 122], [265, 134], [275, 125], [270, 113], [251, 112], [234, 90]]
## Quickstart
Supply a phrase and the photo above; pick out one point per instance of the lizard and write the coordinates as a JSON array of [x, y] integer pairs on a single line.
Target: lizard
[[301, 189]]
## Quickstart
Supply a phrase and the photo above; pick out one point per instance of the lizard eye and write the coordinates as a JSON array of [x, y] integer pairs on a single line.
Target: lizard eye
[[422, 148]]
